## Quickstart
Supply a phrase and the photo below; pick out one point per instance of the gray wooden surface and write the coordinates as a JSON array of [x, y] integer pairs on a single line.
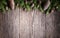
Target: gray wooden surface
[[32, 24]]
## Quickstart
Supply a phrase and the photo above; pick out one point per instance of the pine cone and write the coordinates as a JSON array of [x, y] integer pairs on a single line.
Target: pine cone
[[11, 4]]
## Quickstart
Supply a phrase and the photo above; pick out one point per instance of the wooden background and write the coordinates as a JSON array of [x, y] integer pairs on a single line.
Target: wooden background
[[32, 24]]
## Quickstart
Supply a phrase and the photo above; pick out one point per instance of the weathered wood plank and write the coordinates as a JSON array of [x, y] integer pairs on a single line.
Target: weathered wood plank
[[9, 24], [32, 24], [53, 25], [26, 24], [57, 24], [50, 26], [1, 27], [38, 25]]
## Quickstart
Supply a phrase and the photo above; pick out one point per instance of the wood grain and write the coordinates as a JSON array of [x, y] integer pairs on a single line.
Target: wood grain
[[9, 24], [29, 24]]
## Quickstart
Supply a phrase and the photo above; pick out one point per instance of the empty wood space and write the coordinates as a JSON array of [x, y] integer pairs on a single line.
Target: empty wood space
[[29, 24]]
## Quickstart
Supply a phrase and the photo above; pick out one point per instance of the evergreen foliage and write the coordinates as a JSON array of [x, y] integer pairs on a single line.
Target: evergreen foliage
[[32, 4]]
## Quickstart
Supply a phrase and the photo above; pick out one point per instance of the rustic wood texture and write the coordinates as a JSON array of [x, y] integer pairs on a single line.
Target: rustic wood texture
[[26, 19], [9, 24], [53, 25], [33, 24]]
